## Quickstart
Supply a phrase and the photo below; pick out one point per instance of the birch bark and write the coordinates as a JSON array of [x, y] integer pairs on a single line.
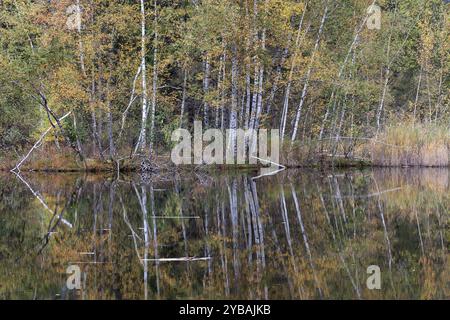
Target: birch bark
[[308, 74]]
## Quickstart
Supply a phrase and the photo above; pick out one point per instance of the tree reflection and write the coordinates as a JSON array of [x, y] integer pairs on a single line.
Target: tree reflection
[[298, 235]]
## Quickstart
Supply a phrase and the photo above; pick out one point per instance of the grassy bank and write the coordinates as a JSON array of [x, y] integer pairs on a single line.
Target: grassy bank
[[49, 158], [399, 145], [412, 145]]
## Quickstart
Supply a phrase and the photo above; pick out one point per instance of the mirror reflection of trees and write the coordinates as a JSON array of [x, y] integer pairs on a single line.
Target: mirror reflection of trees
[[297, 235]]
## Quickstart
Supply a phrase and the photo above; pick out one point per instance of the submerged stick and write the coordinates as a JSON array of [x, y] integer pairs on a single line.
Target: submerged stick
[[370, 195], [175, 217], [179, 259]]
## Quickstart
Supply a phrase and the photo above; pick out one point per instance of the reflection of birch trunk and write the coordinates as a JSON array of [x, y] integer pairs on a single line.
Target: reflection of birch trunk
[[258, 229], [183, 227], [441, 236], [52, 226], [258, 232], [285, 217], [305, 237], [155, 238], [142, 199], [419, 232], [339, 199], [232, 193], [287, 230], [283, 264], [133, 233], [207, 250], [249, 224], [335, 240], [112, 187], [146, 238], [40, 199], [338, 205], [322, 201], [386, 234], [223, 249]]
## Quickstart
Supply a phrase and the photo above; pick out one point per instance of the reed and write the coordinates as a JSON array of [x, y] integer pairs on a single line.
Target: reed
[[408, 144]]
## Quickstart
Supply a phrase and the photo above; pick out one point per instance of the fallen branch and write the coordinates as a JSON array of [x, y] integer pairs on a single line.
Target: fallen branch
[[133, 97], [17, 167], [271, 173], [268, 161]]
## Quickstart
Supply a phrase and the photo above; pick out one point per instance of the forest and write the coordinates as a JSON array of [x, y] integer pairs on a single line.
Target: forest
[[93, 92], [94, 83]]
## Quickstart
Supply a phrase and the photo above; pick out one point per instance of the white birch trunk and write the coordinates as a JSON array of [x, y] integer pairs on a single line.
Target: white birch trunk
[[183, 98], [155, 79], [223, 93], [308, 74], [143, 132], [416, 101], [287, 94], [207, 71], [233, 112], [341, 71]]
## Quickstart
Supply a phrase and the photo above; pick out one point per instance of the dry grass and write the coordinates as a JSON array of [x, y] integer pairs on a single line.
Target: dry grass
[[324, 153], [49, 158], [405, 144]]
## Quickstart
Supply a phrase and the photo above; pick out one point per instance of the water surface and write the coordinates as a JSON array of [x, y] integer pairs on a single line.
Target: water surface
[[295, 235]]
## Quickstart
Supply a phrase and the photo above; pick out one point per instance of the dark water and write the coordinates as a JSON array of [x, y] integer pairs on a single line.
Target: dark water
[[296, 235]]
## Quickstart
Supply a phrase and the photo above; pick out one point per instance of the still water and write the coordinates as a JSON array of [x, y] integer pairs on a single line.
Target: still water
[[295, 235]]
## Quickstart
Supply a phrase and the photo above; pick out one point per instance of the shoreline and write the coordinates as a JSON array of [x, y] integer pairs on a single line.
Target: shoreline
[[211, 168]]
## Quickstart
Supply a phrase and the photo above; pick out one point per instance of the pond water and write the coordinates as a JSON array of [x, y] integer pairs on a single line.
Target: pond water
[[294, 235]]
